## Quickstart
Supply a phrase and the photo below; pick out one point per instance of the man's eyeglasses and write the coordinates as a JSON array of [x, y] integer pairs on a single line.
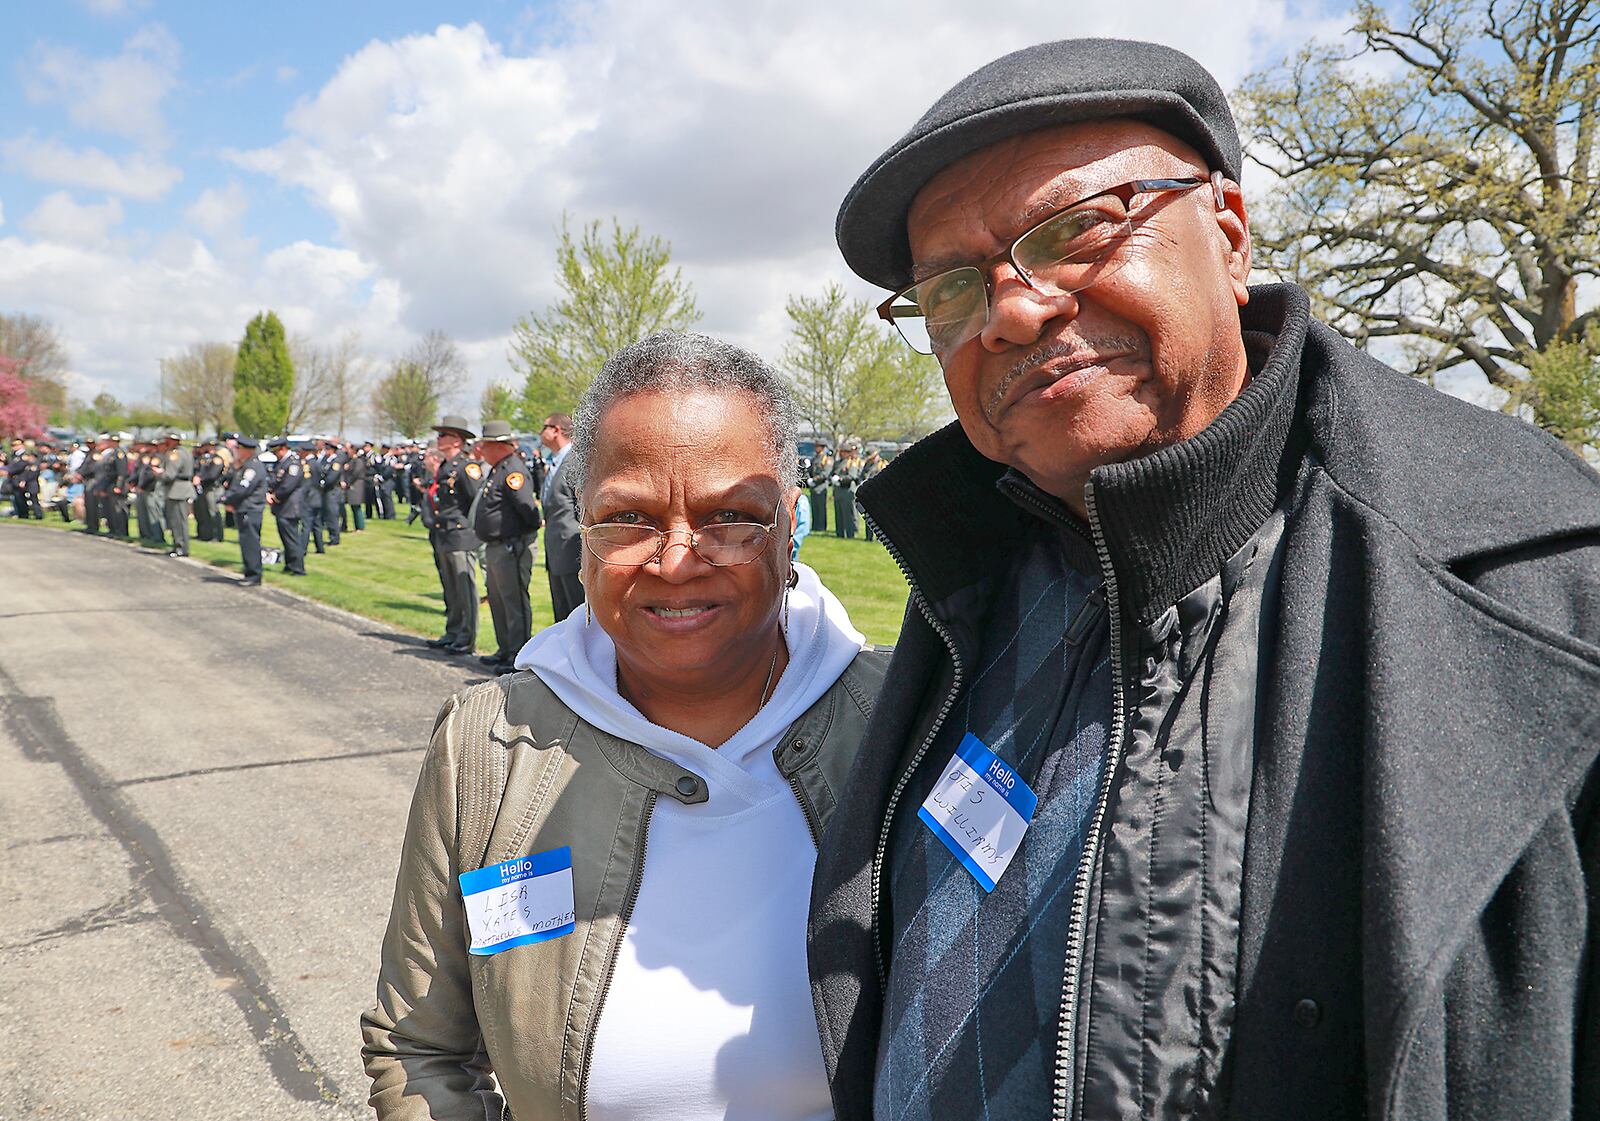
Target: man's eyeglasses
[[1066, 252], [723, 544]]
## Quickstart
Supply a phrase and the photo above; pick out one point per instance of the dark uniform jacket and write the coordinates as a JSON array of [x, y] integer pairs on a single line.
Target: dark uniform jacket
[[455, 486], [355, 477], [211, 469], [288, 487], [1421, 859], [563, 537], [507, 508], [247, 487]]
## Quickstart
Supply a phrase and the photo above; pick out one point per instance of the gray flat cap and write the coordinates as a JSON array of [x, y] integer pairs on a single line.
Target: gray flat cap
[[1038, 87]]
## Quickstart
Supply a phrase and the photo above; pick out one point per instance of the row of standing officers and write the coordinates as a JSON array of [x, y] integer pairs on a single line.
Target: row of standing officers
[[483, 508]]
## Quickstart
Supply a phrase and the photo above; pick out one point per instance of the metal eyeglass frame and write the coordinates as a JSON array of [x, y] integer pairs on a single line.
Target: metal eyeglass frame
[[1125, 192], [663, 535]]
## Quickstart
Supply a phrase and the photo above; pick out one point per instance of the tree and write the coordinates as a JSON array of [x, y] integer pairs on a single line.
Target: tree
[[616, 289], [35, 344], [263, 378], [1452, 203], [499, 402], [20, 415], [853, 379], [405, 400], [197, 386], [102, 414], [1564, 389], [328, 383]]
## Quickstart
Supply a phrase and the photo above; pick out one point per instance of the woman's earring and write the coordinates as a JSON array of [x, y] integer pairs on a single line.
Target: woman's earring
[[588, 613]]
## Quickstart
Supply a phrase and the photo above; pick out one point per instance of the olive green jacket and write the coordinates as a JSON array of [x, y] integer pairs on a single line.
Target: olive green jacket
[[512, 771]]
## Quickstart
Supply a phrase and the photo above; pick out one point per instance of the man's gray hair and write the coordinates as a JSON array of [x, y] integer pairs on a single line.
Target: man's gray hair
[[669, 363]]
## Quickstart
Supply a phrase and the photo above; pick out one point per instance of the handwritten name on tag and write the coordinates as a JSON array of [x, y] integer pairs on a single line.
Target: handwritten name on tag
[[980, 808], [528, 899]]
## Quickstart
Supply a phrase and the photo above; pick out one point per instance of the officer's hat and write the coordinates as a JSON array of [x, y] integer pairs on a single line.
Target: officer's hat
[[247, 441], [456, 424], [277, 442], [496, 431]]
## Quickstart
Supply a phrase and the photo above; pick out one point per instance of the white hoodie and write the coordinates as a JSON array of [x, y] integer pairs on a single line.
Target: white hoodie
[[709, 1013]]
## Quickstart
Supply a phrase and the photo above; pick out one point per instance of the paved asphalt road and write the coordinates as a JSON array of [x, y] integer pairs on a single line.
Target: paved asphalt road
[[202, 794]]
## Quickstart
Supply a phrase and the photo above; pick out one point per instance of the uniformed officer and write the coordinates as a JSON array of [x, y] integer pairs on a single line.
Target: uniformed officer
[[506, 520], [211, 467], [817, 487], [455, 546], [330, 487], [357, 496], [175, 468], [846, 475], [287, 495], [108, 485], [246, 497]]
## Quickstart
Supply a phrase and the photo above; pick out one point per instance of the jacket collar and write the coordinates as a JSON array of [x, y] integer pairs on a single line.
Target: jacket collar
[[1168, 520]]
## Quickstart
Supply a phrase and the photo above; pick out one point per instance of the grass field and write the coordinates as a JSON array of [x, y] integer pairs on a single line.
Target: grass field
[[387, 574]]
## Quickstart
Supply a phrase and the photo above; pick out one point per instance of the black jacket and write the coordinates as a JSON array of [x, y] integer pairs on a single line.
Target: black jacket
[[507, 507], [247, 487], [1420, 856], [290, 487], [456, 484]]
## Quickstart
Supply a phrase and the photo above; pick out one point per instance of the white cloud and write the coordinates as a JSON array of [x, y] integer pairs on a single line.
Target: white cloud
[[137, 176], [115, 7], [286, 73], [59, 217], [731, 130], [219, 210], [120, 95]]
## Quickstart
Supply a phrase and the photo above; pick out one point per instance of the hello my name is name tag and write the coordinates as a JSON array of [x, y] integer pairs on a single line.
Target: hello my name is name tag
[[527, 899], [980, 808]]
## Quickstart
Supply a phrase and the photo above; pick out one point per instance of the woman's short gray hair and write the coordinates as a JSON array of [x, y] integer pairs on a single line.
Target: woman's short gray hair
[[667, 363]]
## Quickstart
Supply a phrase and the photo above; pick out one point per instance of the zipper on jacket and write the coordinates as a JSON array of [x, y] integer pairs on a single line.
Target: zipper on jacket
[[611, 959], [807, 811], [916, 759], [1078, 923]]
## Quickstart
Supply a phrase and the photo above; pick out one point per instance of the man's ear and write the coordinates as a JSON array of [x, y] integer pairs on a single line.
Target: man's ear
[[1234, 223]]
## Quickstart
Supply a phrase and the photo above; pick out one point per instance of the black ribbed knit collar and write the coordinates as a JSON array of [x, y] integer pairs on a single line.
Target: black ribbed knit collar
[[1169, 519]]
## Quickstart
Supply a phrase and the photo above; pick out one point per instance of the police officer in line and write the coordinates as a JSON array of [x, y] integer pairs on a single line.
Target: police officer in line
[[113, 485], [246, 497], [287, 494], [817, 487], [330, 487], [455, 546], [211, 468], [357, 496], [175, 469], [316, 523], [506, 520], [145, 501]]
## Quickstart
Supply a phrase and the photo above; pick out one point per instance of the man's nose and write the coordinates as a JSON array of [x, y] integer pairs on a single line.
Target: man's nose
[[1020, 308]]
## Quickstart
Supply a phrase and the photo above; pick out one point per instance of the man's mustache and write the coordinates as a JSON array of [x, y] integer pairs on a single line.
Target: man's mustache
[[1073, 350]]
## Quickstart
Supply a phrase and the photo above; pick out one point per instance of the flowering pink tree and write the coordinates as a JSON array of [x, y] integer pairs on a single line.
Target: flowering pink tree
[[19, 416]]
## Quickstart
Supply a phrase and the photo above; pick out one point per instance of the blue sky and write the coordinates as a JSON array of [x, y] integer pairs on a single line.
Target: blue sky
[[378, 170]]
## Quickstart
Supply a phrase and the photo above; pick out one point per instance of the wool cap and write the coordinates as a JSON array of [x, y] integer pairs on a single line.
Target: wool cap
[[1038, 87]]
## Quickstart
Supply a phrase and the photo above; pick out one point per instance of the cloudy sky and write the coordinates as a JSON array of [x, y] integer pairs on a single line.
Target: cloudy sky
[[168, 169]]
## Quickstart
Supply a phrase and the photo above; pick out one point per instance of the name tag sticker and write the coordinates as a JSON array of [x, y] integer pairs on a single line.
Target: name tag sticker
[[980, 808], [516, 902]]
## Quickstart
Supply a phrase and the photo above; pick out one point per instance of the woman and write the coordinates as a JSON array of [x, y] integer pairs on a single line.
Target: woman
[[704, 706]]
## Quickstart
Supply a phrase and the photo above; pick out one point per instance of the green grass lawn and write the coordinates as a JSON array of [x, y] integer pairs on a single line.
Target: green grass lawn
[[387, 574]]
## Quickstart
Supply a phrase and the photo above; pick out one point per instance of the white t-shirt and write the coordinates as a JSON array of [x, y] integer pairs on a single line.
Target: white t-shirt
[[709, 1013]]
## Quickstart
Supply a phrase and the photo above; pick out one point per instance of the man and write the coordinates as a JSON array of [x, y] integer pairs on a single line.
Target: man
[[846, 474], [455, 546], [358, 498], [290, 495], [384, 471], [506, 520], [246, 497], [105, 486], [146, 497], [870, 467], [211, 472], [1238, 753], [22, 471], [563, 541], [175, 469], [817, 486], [331, 484]]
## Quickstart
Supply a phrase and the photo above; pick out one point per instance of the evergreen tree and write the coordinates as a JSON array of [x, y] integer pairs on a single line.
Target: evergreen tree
[[263, 378]]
